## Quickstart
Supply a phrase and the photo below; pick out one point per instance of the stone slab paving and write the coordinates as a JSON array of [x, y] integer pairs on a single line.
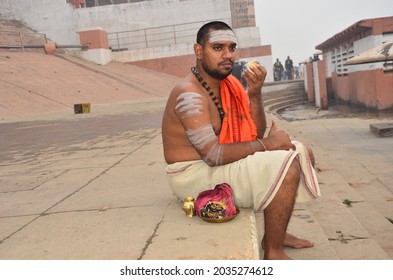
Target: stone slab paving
[[184, 238], [102, 194], [356, 167], [79, 203], [116, 233]]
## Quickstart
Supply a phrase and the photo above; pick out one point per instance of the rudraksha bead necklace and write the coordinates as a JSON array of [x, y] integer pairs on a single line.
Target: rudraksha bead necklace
[[195, 71]]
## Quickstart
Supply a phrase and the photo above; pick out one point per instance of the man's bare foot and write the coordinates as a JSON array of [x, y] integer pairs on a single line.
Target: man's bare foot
[[276, 256], [292, 241], [296, 243]]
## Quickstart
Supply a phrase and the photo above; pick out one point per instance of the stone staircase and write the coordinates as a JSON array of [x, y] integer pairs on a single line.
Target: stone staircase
[[280, 95]]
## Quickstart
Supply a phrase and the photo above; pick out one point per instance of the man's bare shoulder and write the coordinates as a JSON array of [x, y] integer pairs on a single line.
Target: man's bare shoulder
[[187, 85]]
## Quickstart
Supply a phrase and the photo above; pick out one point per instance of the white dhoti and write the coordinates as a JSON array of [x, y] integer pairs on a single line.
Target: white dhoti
[[255, 179]]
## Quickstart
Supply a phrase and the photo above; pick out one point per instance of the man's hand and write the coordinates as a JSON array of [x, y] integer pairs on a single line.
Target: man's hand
[[278, 139], [255, 79]]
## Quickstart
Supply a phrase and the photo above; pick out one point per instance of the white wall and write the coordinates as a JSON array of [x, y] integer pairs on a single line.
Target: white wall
[[359, 47], [153, 53], [5, 10], [248, 37], [316, 84], [330, 67], [306, 77], [61, 22], [365, 44], [54, 18]]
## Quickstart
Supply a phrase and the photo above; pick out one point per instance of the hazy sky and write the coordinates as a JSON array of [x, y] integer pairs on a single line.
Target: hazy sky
[[294, 28]]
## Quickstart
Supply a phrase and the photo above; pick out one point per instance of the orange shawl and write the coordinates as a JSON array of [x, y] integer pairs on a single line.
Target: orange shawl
[[237, 125]]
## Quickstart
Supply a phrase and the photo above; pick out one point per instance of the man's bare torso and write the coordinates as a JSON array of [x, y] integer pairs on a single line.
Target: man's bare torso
[[177, 147]]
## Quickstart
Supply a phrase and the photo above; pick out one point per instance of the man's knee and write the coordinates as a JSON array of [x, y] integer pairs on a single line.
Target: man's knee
[[310, 155], [291, 180], [294, 170]]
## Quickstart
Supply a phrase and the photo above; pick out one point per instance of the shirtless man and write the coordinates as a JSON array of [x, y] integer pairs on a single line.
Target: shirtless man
[[208, 140]]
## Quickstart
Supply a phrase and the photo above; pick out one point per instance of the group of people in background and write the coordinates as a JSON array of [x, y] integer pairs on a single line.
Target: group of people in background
[[287, 71]]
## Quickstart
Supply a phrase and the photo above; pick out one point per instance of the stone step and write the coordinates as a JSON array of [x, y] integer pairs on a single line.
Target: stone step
[[179, 237], [382, 129], [281, 99], [289, 93], [276, 86], [285, 92], [282, 105]]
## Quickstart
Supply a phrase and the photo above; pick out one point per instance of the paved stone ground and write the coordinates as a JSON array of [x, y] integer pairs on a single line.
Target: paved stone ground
[[92, 186], [83, 188], [95, 188]]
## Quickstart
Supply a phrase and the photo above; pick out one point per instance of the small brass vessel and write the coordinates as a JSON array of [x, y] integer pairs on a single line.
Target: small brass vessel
[[188, 207]]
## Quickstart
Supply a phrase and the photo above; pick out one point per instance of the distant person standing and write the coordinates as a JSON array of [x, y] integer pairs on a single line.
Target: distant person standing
[[297, 72], [289, 67], [278, 69]]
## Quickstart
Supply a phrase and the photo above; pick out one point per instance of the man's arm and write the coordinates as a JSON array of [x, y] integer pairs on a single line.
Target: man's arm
[[192, 110], [255, 82], [276, 139]]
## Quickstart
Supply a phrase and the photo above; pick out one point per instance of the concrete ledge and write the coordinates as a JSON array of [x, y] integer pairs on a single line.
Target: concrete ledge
[[98, 56], [179, 237], [382, 129]]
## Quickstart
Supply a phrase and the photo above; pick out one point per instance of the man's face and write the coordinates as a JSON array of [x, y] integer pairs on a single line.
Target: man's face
[[219, 53]]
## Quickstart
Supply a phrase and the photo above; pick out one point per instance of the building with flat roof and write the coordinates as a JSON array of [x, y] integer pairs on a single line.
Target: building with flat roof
[[370, 83], [157, 34]]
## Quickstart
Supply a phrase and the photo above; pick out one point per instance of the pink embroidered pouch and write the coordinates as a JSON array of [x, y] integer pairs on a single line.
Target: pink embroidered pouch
[[216, 204]]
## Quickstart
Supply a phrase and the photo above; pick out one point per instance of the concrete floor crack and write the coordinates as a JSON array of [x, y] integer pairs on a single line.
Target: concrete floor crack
[[149, 240]]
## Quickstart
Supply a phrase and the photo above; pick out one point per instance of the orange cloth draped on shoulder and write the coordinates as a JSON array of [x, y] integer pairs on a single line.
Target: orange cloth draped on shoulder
[[237, 125]]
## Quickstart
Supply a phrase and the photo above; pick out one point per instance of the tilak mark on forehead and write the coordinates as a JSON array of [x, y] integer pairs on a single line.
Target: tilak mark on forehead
[[222, 35]]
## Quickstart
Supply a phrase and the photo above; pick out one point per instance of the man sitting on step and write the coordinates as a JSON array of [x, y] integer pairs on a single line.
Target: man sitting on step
[[214, 132]]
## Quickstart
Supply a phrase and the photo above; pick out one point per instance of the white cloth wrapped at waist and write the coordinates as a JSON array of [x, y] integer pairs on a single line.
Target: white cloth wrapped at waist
[[255, 179]]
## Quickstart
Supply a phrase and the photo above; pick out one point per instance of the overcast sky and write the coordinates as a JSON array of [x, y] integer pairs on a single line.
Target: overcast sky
[[294, 28]]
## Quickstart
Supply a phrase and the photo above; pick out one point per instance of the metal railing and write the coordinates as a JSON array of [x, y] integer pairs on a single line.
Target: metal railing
[[17, 39], [155, 36]]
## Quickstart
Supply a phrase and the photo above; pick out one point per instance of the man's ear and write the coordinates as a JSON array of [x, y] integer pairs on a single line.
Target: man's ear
[[198, 51]]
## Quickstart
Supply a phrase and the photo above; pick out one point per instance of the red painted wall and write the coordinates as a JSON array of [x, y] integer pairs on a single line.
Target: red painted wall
[[178, 65], [96, 39], [372, 89]]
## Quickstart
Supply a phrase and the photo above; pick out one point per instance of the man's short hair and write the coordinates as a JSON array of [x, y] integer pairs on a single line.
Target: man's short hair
[[206, 28]]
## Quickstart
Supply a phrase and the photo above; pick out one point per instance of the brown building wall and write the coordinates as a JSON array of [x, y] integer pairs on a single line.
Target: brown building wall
[[382, 25], [96, 39], [372, 89], [178, 65], [340, 84], [384, 82], [255, 51]]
